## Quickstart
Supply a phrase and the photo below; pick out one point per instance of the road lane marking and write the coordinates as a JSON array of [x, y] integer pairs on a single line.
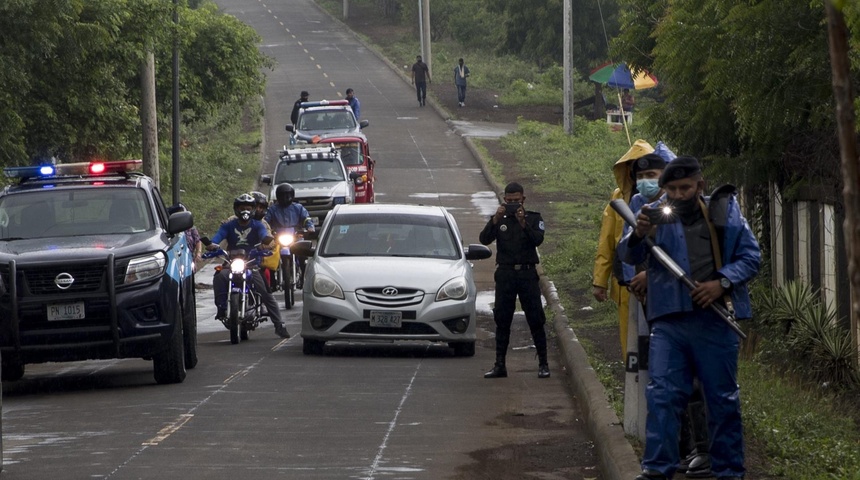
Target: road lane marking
[[393, 423], [169, 429]]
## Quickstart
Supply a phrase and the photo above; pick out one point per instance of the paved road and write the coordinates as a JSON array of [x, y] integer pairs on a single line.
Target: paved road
[[261, 409]]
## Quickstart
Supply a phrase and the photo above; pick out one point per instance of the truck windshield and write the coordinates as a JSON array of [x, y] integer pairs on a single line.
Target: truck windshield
[[74, 212], [309, 171]]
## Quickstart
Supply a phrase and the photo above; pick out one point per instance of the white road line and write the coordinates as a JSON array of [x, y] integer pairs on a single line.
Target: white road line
[[392, 424]]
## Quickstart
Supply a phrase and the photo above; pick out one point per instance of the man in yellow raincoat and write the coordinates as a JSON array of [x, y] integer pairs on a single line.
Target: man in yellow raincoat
[[605, 283]]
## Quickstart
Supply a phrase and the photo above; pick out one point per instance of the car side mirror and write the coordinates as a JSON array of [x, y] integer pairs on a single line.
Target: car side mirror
[[179, 222], [363, 124], [311, 234], [290, 128], [266, 179], [354, 176], [478, 252]]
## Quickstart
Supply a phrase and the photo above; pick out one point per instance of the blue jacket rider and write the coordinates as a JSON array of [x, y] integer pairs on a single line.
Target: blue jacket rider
[[687, 338], [285, 213]]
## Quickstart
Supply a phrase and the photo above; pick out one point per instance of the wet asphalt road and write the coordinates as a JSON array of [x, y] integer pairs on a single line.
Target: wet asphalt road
[[261, 409]]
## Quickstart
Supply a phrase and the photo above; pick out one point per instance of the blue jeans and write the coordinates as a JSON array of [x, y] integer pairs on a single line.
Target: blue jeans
[[461, 93], [421, 89]]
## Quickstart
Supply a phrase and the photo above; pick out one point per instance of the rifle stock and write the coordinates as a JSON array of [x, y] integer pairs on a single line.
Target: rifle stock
[[627, 215]]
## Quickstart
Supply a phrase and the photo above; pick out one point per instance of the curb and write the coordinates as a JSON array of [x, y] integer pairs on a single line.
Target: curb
[[618, 460]]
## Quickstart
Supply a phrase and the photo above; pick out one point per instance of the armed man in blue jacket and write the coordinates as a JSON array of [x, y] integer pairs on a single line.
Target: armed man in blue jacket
[[710, 240]]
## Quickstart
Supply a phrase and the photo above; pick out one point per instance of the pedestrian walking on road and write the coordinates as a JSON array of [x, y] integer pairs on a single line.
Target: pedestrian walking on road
[[518, 233], [294, 117], [420, 78], [353, 103], [461, 72], [711, 241]]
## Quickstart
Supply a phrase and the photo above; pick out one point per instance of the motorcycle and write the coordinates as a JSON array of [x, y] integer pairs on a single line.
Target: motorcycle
[[245, 311], [288, 277]]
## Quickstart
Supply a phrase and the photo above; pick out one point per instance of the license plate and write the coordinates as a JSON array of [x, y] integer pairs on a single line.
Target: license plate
[[386, 319], [66, 311]]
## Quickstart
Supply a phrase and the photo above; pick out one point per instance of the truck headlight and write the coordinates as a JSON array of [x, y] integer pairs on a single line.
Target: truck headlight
[[324, 286], [454, 289], [145, 267]]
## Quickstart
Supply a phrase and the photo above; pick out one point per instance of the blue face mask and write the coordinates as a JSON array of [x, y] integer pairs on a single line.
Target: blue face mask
[[648, 187]]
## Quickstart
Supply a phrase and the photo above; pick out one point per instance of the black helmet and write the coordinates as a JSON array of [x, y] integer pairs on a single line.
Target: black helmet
[[285, 193], [244, 206], [261, 200]]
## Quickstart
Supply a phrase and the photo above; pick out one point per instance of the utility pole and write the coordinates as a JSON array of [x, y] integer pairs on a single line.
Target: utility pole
[[425, 39], [148, 119], [346, 9], [176, 107], [568, 67], [844, 96]]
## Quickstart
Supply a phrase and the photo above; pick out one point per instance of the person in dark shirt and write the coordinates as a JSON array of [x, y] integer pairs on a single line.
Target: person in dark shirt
[[420, 78], [294, 117], [517, 233]]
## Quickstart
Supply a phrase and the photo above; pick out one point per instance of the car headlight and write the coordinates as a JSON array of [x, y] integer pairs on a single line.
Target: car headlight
[[454, 289], [286, 239], [146, 267], [326, 287], [237, 266]]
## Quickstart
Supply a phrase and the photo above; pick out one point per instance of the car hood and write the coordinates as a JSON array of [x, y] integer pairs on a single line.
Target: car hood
[[321, 189], [427, 274], [81, 248]]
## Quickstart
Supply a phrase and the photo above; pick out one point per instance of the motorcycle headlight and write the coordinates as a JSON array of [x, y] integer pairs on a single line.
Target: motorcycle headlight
[[286, 239], [454, 289], [324, 286], [237, 266], [146, 267]]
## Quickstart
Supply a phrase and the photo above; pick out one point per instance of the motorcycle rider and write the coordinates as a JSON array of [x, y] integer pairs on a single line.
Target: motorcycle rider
[[244, 232], [287, 213]]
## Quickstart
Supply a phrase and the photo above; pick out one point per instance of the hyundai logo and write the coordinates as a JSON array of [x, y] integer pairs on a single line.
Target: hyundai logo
[[64, 281], [390, 291]]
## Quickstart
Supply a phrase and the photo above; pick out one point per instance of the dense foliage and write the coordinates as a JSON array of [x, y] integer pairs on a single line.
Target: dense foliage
[[747, 84], [70, 72]]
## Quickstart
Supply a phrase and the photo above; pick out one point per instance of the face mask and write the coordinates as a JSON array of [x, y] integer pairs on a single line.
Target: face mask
[[648, 187], [686, 207]]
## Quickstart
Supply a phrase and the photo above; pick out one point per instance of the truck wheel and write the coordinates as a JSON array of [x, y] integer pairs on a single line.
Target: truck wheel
[[464, 349], [169, 365], [235, 306], [12, 368], [189, 330]]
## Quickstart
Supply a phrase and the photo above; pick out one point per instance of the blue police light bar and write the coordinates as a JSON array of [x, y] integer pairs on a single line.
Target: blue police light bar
[[324, 103], [71, 169]]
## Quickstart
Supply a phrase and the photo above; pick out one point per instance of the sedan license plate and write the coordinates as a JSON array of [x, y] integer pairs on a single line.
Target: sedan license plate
[[386, 319], [66, 311]]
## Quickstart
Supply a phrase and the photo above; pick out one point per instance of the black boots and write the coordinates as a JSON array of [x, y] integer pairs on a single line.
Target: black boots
[[543, 371], [498, 370]]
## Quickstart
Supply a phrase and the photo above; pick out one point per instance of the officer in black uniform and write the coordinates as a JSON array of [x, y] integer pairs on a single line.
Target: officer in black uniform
[[518, 233]]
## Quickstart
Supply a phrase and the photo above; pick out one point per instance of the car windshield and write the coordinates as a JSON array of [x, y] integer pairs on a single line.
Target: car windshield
[[327, 120], [309, 171], [397, 235], [350, 153], [74, 212]]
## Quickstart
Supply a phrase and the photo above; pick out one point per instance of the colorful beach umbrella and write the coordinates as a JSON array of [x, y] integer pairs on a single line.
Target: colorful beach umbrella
[[618, 75]]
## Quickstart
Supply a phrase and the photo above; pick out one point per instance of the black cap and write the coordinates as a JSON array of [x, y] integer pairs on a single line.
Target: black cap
[[304, 94], [651, 161], [681, 167]]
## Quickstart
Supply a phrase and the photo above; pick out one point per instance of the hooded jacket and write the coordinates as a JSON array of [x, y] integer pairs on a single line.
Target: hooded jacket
[[612, 225]]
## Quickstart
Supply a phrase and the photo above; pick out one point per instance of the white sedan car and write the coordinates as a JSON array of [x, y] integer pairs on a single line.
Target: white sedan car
[[389, 272]]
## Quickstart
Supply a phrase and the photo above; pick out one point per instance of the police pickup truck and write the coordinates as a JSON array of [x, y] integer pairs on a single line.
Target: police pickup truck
[[318, 176], [92, 266]]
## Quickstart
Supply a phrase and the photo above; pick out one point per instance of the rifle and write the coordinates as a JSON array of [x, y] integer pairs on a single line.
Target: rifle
[[624, 211]]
